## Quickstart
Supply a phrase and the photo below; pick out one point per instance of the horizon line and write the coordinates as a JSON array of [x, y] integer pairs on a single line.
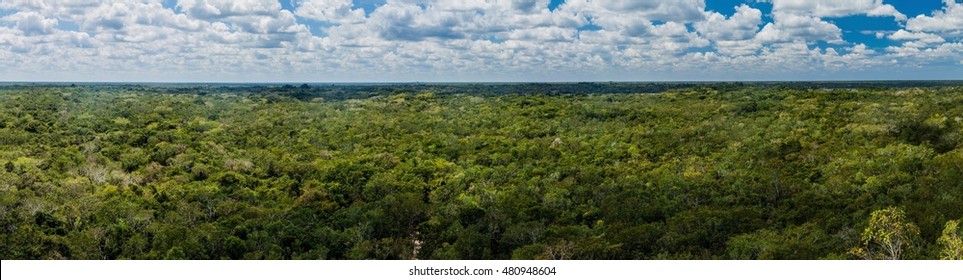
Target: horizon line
[[474, 82]]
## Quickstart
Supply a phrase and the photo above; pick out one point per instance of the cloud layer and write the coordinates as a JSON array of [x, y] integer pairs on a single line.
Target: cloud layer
[[469, 40]]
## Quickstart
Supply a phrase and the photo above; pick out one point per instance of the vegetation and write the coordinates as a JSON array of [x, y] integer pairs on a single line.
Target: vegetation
[[951, 241], [887, 236], [700, 171]]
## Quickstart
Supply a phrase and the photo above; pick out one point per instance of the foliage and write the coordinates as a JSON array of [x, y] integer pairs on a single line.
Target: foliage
[[887, 236], [480, 171], [952, 241]]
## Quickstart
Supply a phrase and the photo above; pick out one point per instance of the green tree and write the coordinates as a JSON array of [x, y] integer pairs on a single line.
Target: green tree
[[888, 236], [952, 241]]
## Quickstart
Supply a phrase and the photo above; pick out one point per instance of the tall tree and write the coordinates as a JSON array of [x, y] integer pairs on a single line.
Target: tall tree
[[952, 241], [888, 236]]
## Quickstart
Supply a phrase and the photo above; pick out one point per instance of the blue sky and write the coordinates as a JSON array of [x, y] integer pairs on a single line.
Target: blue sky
[[479, 40]]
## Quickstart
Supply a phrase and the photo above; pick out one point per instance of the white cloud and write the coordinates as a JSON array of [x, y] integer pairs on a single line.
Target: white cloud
[[914, 53], [948, 21], [215, 9], [543, 34], [56, 8], [741, 26], [32, 23], [738, 48], [678, 10], [247, 40], [861, 49], [336, 11], [902, 35], [803, 19], [395, 21], [792, 27], [926, 36], [250, 16], [734, 35], [836, 8]]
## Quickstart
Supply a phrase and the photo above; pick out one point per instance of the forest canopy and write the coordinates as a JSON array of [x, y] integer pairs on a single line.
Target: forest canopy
[[476, 171]]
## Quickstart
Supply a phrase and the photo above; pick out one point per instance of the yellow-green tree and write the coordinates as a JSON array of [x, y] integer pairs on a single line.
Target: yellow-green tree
[[951, 241], [888, 236]]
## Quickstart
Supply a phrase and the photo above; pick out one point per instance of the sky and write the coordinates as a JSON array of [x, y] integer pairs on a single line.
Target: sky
[[479, 40]]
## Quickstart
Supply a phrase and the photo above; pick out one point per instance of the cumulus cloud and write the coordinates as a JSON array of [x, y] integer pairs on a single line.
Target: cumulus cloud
[[804, 19], [835, 8], [218, 9], [251, 16], [903, 35], [948, 21], [335, 11], [915, 53], [929, 39], [741, 26], [242, 40], [57, 8], [679, 10], [792, 27], [411, 22], [32, 23]]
